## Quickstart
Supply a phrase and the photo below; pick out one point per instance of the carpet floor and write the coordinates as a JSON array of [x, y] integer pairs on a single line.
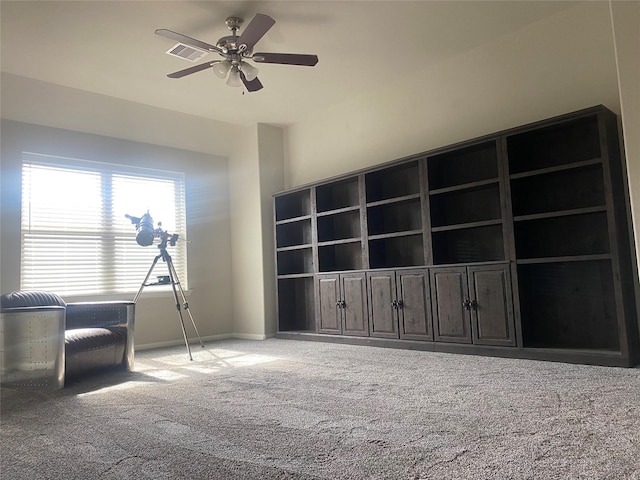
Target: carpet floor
[[284, 409]]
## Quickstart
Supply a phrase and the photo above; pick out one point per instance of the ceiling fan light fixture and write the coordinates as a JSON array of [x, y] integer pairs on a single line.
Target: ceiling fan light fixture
[[234, 77], [222, 68], [250, 72]]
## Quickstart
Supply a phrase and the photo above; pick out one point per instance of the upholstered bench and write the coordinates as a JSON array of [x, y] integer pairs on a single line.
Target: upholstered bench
[[45, 340]]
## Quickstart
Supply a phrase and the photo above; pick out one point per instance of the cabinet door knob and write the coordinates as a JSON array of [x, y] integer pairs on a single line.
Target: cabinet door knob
[[394, 304], [473, 304], [399, 304], [466, 304]]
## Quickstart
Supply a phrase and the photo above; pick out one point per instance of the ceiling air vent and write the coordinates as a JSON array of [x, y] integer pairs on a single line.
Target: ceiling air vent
[[187, 52]]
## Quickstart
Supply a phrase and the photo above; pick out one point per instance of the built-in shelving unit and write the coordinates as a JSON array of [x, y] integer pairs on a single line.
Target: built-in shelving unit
[[295, 266], [563, 223], [513, 244], [465, 204], [394, 216]]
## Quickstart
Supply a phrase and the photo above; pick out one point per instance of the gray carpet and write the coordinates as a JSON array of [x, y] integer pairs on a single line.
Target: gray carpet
[[283, 409]]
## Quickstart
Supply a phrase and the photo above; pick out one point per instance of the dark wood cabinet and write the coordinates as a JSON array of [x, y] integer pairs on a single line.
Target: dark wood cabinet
[[450, 301], [399, 304], [491, 305], [473, 305], [342, 303], [414, 300], [516, 243]]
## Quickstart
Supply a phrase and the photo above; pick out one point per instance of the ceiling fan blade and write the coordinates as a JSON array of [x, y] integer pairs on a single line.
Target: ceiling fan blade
[[251, 86], [258, 26], [190, 70], [187, 40], [286, 58]]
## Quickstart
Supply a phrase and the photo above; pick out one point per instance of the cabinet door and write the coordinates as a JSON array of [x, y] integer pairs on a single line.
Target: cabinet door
[[354, 313], [329, 313], [492, 313], [382, 293], [449, 291], [415, 310]]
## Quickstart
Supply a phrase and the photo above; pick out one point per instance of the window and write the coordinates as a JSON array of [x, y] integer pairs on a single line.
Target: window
[[75, 237]]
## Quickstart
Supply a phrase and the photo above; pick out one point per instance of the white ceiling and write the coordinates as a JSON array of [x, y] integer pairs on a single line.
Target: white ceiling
[[109, 48]]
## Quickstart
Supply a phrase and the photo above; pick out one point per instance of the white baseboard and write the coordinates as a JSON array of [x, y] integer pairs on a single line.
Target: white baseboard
[[173, 343], [211, 338], [249, 336]]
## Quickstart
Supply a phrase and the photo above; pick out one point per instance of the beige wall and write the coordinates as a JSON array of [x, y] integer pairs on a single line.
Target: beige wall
[[270, 159], [555, 66], [626, 27], [255, 173], [246, 237], [208, 226]]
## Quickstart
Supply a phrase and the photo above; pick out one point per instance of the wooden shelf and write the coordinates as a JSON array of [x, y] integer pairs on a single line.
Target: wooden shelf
[[557, 168], [392, 200], [338, 242], [293, 247], [464, 186], [560, 213], [572, 258], [404, 233], [462, 226], [337, 211], [293, 220], [295, 275]]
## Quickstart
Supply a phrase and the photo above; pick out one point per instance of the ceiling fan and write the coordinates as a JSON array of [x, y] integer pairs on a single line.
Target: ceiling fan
[[236, 50]]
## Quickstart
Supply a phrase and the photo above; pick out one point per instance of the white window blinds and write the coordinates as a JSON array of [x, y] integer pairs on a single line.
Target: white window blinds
[[75, 237]]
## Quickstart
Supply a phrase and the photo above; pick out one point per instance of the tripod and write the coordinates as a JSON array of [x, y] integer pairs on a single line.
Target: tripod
[[175, 281]]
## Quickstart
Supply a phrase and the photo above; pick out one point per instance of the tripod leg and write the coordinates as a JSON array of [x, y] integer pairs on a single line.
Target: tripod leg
[[144, 282], [175, 296], [184, 301]]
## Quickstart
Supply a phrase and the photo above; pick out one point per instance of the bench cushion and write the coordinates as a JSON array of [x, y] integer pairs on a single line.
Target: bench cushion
[[89, 348], [30, 298]]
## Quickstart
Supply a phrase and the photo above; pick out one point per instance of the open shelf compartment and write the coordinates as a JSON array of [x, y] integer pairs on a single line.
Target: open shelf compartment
[[549, 192], [340, 256], [466, 206], [296, 304], [293, 205], [465, 165], [568, 305], [397, 251], [336, 195], [583, 234], [562, 144], [468, 245], [392, 182], [339, 226], [394, 217]]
